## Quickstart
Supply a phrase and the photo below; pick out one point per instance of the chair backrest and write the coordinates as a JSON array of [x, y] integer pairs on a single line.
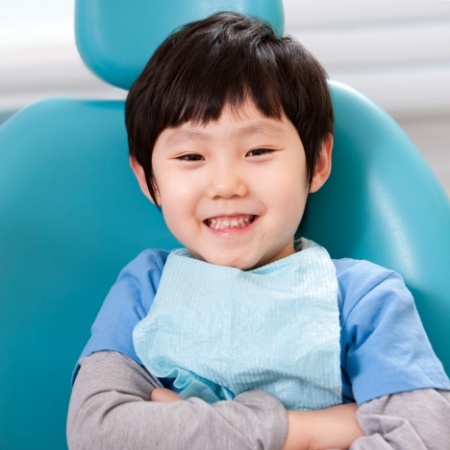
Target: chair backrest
[[71, 214], [383, 203], [115, 41]]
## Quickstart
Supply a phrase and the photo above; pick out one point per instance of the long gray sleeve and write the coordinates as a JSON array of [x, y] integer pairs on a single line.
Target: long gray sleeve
[[109, 409], [416, 420]]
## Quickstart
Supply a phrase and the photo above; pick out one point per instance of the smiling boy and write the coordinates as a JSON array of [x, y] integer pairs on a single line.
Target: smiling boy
[[233, 191], [230, 128]]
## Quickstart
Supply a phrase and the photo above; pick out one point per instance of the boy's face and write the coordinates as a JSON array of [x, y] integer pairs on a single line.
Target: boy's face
[[233, 191]]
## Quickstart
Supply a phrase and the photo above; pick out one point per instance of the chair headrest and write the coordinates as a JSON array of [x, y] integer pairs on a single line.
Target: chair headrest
[[116, 38]]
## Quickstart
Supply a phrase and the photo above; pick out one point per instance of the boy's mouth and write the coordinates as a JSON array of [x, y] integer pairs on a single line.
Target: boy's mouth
[[229, 222]]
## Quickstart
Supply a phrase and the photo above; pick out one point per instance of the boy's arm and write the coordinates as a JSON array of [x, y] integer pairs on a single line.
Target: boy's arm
[[414, 420], [331, 428], [109, 409], [411, 420]]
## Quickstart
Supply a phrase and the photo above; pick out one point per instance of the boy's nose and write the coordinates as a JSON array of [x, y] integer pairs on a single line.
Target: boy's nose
[[227, 184]]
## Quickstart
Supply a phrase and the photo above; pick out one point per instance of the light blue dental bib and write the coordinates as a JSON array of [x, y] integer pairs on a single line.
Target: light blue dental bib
[[218, 331]]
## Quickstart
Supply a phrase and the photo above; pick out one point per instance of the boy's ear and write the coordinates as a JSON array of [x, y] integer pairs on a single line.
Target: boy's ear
[[142, 180], [323, 166]]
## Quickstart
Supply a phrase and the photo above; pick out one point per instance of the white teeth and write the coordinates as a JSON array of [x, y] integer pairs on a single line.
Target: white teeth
[[229, 222]]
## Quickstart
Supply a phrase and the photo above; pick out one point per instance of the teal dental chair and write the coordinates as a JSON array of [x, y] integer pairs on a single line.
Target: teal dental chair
[[71, 214]]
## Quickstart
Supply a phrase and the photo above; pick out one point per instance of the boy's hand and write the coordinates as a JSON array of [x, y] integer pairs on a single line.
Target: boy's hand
[[164, 395], [331, 428]]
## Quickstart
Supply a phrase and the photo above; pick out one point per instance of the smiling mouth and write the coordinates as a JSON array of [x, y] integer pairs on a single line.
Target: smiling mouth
[[231, 222]]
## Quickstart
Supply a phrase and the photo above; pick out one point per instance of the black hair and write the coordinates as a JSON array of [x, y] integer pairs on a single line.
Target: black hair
[[226, 59]]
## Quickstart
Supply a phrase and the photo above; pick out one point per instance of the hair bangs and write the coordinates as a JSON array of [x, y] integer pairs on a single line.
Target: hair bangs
[[205, 87]]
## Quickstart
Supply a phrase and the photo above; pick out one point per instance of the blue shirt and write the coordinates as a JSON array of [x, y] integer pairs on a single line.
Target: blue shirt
[[384, 348]]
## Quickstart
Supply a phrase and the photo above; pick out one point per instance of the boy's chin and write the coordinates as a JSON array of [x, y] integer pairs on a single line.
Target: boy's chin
[[242, 262], [235, 261]]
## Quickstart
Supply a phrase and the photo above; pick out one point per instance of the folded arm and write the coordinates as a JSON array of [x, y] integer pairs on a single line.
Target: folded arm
[[110, 409], [415, 420]]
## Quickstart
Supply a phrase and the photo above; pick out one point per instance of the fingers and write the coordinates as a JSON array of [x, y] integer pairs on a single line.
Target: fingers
[[164, 395]]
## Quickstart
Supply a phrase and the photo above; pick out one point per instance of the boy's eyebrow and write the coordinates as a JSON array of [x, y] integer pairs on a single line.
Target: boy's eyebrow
[[180, 135], [261, 127]]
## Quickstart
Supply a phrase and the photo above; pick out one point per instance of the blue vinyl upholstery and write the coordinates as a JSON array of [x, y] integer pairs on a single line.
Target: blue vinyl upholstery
[[71, 214], [116, 41]]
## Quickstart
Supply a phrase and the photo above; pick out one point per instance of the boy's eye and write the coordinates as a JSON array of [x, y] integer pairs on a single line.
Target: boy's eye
[[259, 152], [190, 157]]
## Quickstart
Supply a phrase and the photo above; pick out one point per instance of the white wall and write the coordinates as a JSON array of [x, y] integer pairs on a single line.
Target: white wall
[[395, 51]]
